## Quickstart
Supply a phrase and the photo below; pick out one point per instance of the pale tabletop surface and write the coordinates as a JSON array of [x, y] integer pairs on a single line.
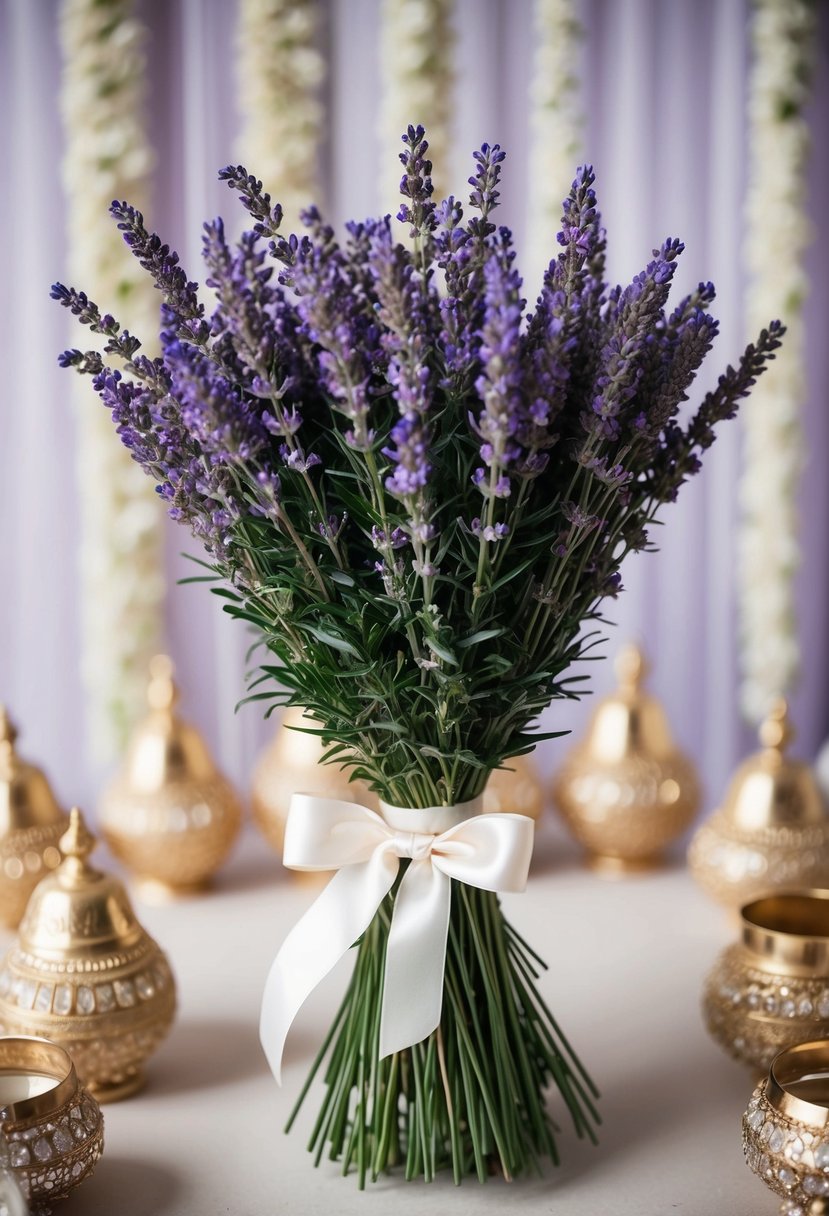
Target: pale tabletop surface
[[627, 960]]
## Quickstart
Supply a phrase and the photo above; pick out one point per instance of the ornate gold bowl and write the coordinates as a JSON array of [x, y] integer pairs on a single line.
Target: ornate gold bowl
[[52, 1129], [770, 990]]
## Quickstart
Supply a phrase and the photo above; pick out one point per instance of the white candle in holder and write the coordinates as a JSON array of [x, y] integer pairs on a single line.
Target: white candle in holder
[[17, 1086]]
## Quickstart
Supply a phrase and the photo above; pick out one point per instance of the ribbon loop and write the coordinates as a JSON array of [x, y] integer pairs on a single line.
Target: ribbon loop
[[441, 843]]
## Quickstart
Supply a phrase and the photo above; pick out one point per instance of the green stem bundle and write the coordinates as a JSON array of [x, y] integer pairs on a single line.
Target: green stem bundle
[[472, 1097]]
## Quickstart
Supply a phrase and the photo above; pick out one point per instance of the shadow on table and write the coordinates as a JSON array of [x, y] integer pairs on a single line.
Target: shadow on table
[[653, 1102], [128, 1186], [203, 1054]]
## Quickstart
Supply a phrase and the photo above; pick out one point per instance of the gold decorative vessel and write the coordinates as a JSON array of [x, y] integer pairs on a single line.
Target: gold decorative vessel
[[772, 830], [770, 990], [786, 1129], [626, 791], [85, 974], [290, 764], [170, 816], [52, 1129], [31, 824], [516, 788]]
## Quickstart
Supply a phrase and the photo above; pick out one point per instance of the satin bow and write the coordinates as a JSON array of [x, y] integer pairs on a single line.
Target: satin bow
[[487, 851]]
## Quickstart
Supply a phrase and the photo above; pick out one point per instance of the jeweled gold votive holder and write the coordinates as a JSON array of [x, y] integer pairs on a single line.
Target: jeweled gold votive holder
[[86, 974], [786, 1129], [770, 990], [51, 1129]]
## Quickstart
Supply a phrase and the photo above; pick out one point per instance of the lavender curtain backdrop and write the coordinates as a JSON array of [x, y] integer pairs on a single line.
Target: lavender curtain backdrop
[[664, 98]]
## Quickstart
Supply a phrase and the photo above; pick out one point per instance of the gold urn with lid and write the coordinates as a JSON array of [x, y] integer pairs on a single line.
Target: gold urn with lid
[[31, 824], [170, 815], [86, 975], [772, 830], [515, 788], [626, 791], [290, 764]]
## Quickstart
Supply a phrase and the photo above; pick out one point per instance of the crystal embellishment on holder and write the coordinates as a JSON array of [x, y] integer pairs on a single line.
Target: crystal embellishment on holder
[[52, 1128]]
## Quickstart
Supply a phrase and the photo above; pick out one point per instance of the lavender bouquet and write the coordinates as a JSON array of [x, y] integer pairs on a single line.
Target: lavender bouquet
[[418, 493]]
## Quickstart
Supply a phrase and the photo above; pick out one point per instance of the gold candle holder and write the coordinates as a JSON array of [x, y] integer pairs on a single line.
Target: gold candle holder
[[52, 1129], [772, 830], [31, 824], [770, 990], [84, 973], [786, 1129], [169, 816], [626, 791], [291, 764]]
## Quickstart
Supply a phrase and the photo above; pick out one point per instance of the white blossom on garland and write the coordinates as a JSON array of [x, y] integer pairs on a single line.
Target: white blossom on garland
[[417, 44], [782, 38], [556, 123], [280, 71], [107, 156]]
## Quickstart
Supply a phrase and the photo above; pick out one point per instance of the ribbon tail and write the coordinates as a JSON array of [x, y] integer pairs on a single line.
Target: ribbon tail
[[330, 927], [415, 958]]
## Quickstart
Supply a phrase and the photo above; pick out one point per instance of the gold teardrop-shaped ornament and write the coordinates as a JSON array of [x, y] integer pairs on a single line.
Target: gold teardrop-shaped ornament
[[626, 790], [772, 829], [170, 815]]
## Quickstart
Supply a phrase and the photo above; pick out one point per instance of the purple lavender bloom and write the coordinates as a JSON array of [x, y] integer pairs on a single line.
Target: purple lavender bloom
[[501, 381], [416, 184], [162, 263], [335, 320], [405, 308]]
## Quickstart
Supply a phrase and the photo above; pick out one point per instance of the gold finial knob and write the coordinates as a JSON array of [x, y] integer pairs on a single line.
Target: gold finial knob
[[631, 667], [776, 732], [162, 692], [77, 841], [8, 730]]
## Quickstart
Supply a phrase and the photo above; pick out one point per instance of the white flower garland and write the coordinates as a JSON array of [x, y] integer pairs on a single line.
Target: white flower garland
[[778, 234], [417, 43], [556, 126], [121, 560], [280, 72]]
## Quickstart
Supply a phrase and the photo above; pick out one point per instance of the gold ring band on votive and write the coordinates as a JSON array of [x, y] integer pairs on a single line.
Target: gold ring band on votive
[[797, 1066], [789, 929], [41, 1058]]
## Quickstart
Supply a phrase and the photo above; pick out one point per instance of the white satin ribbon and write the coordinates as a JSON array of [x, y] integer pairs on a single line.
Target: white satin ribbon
[[487, 851]]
